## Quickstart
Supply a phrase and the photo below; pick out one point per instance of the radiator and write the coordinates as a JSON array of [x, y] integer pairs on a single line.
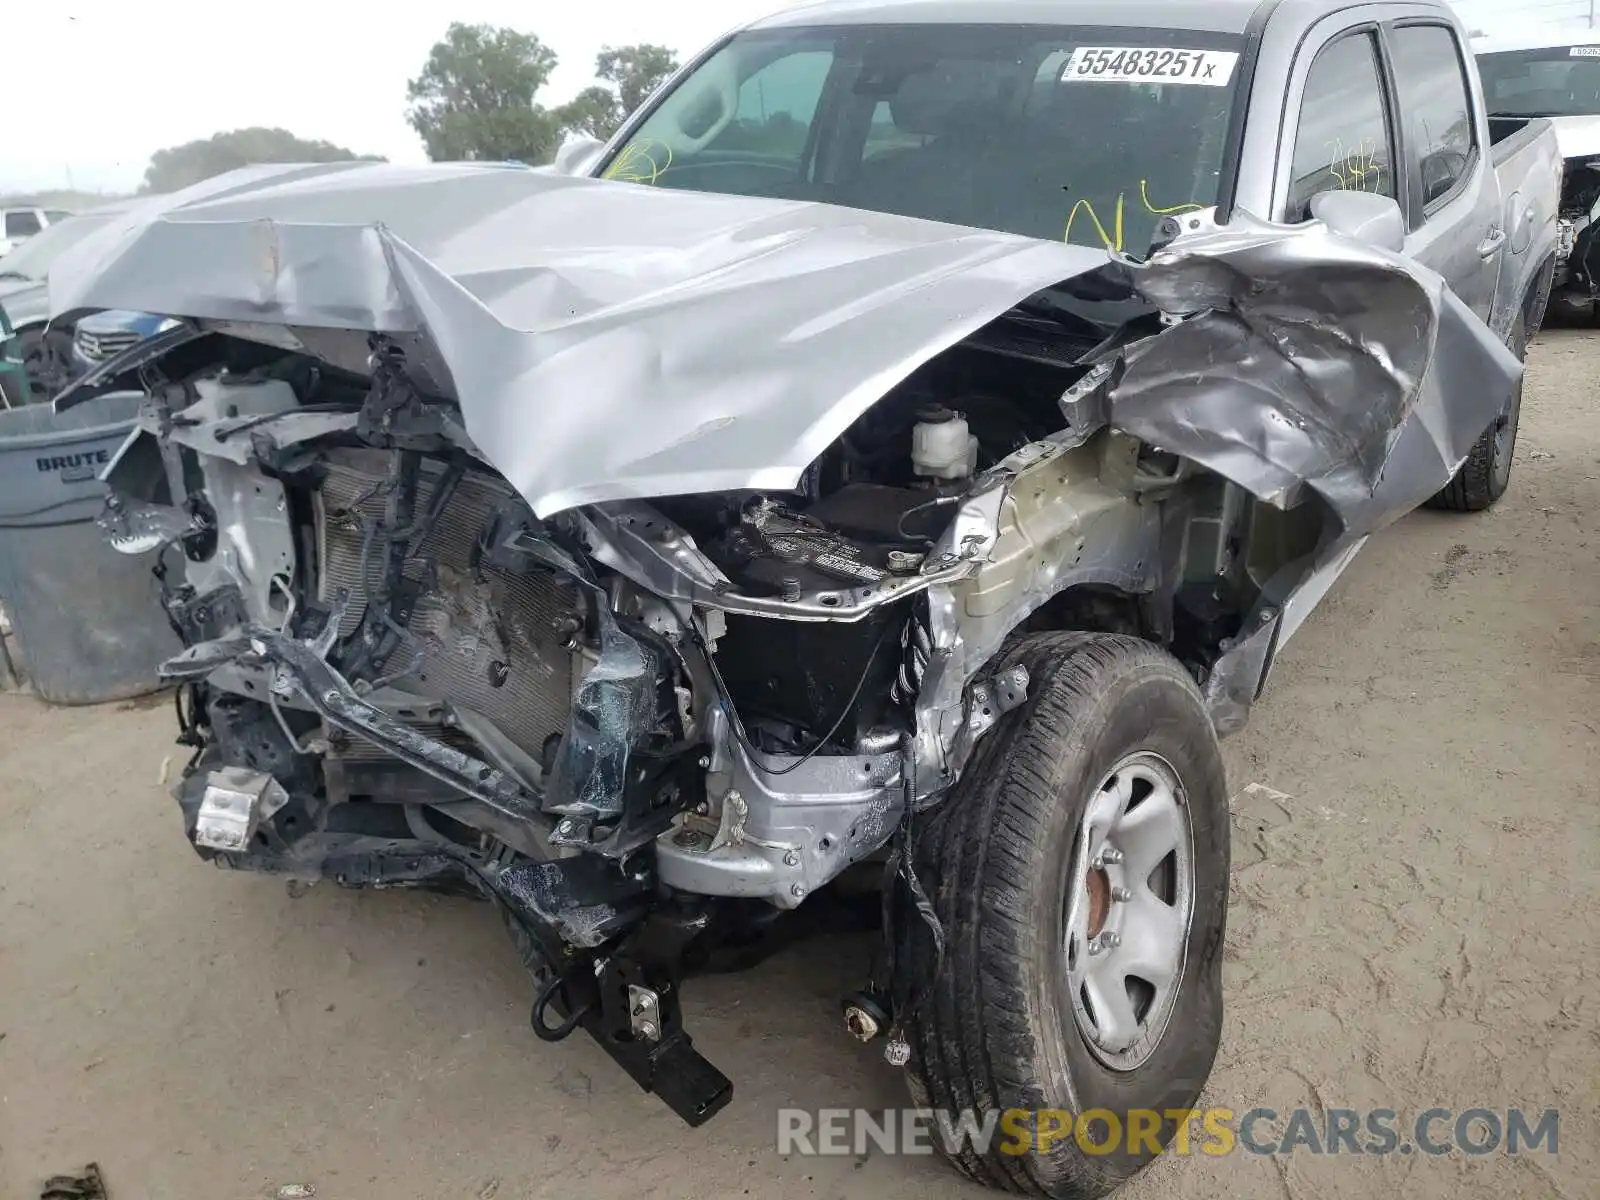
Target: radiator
[[492, 644]]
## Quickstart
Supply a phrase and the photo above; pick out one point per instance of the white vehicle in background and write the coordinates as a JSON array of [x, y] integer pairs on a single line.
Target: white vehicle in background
[[17, 225], [1555, 73]]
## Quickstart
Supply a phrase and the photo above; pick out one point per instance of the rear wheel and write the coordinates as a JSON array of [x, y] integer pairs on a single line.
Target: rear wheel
[[1080, 871], [1486, 474]]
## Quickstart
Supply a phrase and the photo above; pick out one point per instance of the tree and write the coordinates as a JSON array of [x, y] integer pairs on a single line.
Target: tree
[[179, 166], [630, 73], [592, 111], [475, 98], [636, 71]]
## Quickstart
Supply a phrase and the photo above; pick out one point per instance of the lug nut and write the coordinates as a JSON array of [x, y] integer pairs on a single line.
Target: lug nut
[[1121, 893], [1110, 856], [1106, 941]]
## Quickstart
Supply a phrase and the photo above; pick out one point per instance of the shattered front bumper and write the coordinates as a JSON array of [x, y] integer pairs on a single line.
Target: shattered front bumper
[[626, 997]]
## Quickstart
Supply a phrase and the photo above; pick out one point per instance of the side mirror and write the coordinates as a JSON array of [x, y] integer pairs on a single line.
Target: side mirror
[[1372, 220], [577, 155]]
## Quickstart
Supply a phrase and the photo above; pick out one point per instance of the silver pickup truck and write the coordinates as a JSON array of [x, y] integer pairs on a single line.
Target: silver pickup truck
[[1554, 72], [883, 472]]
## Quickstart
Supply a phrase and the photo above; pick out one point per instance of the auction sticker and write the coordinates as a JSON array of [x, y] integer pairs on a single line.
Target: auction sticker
[[1585, 52], [1148, 64]]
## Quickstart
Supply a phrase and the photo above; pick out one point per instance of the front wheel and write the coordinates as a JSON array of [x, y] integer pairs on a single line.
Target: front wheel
[[1080, 872]]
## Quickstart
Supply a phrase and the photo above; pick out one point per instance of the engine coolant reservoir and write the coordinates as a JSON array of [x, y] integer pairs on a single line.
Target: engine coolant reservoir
[[942, 446]]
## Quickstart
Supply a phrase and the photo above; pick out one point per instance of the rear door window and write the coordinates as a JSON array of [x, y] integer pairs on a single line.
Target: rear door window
[[1430, 75], [1343, 140], [21, 223]]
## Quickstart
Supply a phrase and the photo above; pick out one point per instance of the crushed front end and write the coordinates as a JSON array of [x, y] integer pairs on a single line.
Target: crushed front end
[[649, 746], [657, 605]]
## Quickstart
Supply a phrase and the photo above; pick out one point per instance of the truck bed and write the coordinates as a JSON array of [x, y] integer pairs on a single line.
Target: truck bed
[[1526, 157], [1509, 134]]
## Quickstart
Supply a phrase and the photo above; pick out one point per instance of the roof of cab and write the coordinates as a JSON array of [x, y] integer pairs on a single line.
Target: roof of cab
[[1550, 38], [1212, 16]]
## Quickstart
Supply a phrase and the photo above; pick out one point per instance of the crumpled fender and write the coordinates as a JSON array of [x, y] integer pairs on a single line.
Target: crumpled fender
[[1312, 362]]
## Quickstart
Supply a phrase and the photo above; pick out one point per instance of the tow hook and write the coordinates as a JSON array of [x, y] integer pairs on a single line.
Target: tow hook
[[631, 1009]]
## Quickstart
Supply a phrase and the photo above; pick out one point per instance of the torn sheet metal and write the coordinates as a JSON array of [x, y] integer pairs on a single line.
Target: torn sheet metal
[[611, 341], [1312, 362]]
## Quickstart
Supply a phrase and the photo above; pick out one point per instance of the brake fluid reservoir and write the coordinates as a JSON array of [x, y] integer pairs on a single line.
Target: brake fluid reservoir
[[942, 446]]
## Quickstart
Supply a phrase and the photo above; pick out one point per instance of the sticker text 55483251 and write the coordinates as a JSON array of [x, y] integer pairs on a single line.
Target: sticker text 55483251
[[1149, 64]]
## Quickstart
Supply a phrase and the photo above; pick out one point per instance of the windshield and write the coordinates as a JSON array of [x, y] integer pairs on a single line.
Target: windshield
[[32, 259], [1559, 82], [1089, 135]]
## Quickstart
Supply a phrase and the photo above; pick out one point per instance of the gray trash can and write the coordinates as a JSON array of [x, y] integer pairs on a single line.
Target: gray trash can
[[88, 621]]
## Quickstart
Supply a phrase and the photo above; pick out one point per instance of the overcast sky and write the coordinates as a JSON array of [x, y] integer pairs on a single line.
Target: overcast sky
[[91, 87]]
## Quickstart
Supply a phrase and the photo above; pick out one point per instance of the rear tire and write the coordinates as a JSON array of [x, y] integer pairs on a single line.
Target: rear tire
[[1486, 474], [1002, 857]]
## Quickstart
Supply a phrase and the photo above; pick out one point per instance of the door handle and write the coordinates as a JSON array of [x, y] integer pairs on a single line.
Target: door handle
[[1487, 247]]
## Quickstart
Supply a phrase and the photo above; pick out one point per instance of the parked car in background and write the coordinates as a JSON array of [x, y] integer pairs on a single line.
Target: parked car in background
[[49, 352], [17, 225], [100, 337], [1556, 74]]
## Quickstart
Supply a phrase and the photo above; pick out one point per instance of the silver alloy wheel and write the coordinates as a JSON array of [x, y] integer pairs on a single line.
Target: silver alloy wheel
[[1129, 908]]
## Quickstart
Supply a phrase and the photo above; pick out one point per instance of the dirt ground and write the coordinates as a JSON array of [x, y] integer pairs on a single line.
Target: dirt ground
[[1414, 924]]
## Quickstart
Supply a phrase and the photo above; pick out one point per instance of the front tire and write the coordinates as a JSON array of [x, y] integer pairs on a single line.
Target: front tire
[[1044, 851]]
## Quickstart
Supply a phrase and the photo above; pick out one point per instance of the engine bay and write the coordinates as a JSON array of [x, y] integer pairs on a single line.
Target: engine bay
[[396, 674], [430, 586]]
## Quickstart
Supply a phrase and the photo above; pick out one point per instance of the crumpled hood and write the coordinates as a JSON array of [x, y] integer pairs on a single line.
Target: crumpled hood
[[612, 341], [606, 340]]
